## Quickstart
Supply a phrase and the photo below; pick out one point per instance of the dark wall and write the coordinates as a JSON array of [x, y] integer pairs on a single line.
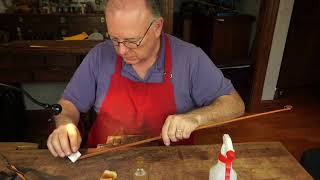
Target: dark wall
[[300, 64]]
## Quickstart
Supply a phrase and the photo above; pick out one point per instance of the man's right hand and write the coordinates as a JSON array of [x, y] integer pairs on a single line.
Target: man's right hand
[[64, 140]]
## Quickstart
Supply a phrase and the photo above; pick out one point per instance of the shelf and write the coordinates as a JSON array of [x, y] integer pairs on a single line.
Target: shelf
[[52, 14], [49, 46]]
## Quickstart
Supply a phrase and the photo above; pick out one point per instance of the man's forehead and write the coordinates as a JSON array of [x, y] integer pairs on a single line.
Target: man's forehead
[[127, 24], [123, 30]]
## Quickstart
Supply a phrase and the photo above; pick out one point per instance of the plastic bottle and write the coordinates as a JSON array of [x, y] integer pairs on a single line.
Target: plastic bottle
[[223, 169]]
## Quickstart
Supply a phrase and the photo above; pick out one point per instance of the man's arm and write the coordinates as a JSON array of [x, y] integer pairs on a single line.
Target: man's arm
[[223, 108], [66, 138], [180, 126], [69, 114]]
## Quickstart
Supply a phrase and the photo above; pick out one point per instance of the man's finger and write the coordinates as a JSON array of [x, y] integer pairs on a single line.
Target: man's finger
[[186, 133], [79, 143], [164, 133], [180, 130], [64, 142], [74, 140], [56, 145], [50, 147], [172, 131]]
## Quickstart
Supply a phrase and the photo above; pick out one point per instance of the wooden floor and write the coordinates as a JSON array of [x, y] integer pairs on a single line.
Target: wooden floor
[[298, 129]]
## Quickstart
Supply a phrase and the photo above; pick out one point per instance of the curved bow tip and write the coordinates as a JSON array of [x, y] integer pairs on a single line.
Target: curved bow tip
[[289, 107]]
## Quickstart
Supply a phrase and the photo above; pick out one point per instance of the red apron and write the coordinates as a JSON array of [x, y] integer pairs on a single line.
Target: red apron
[[134, 108]]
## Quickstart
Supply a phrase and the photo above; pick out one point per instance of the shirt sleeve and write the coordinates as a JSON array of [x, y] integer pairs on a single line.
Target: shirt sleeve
[[208, 82], [81, 89]]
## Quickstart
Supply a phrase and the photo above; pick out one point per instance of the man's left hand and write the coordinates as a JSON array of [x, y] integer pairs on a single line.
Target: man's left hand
[[178, 127]]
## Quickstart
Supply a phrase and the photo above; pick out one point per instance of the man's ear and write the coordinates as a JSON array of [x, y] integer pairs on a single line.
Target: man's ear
[[159, 26]]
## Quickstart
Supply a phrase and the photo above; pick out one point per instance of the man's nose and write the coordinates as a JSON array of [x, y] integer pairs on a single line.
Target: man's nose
[[122, 49]]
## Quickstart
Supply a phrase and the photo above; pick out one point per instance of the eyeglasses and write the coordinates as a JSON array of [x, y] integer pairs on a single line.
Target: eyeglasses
[[130, 44]]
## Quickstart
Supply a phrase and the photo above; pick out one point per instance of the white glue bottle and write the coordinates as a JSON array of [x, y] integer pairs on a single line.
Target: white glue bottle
[[223, 169]]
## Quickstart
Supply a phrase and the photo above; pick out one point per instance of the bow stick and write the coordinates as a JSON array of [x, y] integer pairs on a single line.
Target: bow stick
[[213, 124]]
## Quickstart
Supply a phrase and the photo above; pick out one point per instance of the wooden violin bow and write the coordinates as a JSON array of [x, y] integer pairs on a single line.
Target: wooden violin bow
[[213, 124]]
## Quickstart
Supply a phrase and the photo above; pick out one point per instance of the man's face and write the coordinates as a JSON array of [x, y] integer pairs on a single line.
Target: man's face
[[137, 31]]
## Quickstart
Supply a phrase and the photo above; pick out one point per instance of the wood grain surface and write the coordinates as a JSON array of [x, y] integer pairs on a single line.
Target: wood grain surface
[[261, 160], [7, 146]]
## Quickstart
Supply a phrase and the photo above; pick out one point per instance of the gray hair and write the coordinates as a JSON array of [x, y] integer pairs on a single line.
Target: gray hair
[[153, 5]]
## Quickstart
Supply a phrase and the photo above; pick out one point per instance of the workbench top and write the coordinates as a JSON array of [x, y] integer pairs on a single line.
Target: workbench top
[[258, 160]]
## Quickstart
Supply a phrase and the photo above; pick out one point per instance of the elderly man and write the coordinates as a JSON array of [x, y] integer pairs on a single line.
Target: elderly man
[[142, 82]]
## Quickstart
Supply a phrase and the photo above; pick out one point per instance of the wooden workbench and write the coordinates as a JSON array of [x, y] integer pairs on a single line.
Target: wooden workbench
[[267, 160]]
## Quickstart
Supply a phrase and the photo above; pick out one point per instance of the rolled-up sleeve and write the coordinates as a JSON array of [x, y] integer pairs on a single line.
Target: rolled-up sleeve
[[81, 89]]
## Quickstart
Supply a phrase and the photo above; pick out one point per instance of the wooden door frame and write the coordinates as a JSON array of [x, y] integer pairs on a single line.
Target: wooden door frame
[[261, 51], [167, 13]]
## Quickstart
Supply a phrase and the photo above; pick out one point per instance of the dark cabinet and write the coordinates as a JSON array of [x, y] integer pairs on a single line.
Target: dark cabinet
[[225, 39], [40, 61], [230, 39], [29, 68]]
